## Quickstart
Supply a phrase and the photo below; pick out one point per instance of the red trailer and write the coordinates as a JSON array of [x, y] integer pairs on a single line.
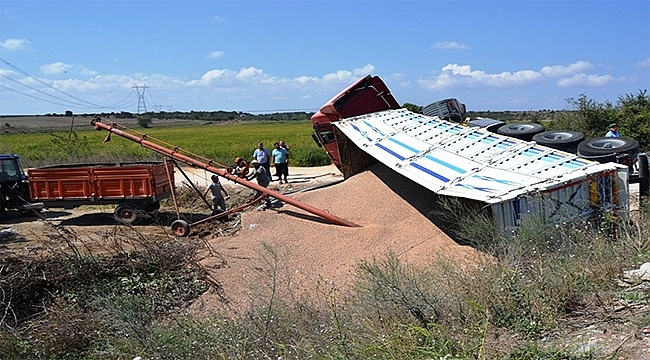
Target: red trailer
[[136, 188]]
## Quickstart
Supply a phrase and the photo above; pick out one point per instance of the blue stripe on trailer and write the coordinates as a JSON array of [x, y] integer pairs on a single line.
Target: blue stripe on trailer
[[500, 181], [400, 157], [445, 164], [374, 128], [484, 189], [363, 133], [429, 157], [430, 172], [410, 148]]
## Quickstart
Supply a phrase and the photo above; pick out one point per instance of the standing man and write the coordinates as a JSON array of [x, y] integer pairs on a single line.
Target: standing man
[[218, 201], [262, 156], [259, 172], [613, 131], [280, 157]]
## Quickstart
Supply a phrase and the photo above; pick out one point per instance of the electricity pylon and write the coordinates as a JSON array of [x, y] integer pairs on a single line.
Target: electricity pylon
[[140, 96]]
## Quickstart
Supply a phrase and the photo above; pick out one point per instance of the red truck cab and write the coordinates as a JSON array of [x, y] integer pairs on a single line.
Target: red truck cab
[[369, 94]]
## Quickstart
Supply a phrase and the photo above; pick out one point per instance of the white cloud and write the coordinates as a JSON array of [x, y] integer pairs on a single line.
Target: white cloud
[[249, 73], [449, 45], [645, 63], [15, 44], [586, 80], [454, 75], [55, 68], [215, 54], [363, 71], [571, 69], [211, 76], [88, 72], [338, 77]]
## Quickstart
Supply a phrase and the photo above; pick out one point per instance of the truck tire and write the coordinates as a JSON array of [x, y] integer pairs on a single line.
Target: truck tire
[[521, 131], [491, 125], [180, 228], [604, 149], [127, 213], [564, 140]]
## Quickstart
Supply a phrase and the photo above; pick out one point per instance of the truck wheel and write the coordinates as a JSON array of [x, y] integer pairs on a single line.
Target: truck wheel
[[180, 228], [521, 131], [605, 149], [127, 214], [564, 140]]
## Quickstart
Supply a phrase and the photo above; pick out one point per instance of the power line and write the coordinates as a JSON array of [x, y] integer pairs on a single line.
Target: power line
[[48, 85]]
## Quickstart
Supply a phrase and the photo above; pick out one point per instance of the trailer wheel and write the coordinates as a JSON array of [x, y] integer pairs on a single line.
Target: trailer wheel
[[604, 149], [180, 228], [521, 131], [127, 214], [564, 140]]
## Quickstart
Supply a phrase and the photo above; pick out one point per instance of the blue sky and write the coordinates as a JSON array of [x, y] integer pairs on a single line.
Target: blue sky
[[274, 56]]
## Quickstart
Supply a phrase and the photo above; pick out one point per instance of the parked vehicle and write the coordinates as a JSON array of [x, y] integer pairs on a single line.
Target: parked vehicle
[[14, 186], [136, 188]]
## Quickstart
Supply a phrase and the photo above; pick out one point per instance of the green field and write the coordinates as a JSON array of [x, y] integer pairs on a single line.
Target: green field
[[219, 142]]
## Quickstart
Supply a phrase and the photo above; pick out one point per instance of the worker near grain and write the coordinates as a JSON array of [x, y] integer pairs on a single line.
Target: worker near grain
[[218, 201], [240, 169], [262, 156], [280, 157], [263, 179]]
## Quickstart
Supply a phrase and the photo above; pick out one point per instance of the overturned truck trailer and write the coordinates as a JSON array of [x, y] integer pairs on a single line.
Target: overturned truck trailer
[[511, 177]]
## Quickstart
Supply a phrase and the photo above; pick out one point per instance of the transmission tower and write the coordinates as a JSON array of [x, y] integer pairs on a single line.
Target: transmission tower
[[140, 93]]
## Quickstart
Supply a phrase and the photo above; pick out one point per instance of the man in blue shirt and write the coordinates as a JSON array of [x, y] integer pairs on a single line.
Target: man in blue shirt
[[280, 156], [613, 131]]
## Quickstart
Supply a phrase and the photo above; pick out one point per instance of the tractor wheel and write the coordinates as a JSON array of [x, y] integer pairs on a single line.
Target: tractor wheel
[[127, 213], [180, 228]]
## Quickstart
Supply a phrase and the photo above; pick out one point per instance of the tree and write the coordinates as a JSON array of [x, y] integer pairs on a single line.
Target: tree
[[631, 114], [144, 122], [412, 107], [634, 117]]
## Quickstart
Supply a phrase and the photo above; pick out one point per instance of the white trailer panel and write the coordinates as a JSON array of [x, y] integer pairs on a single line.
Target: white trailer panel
[[513, 176]]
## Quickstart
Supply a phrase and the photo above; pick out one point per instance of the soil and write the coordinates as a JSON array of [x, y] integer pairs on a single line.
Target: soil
[[391, 214]]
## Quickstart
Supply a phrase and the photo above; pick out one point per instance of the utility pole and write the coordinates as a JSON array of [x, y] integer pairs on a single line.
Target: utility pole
[[140, 96]]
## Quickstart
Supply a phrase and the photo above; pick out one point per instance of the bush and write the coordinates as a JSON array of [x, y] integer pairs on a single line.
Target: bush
[[631, 113]]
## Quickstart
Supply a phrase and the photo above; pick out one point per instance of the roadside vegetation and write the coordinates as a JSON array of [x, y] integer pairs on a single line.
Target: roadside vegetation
[[525, 298], [128, 295]]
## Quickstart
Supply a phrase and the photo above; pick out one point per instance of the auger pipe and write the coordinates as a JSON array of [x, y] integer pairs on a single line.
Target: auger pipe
[[96, 122]]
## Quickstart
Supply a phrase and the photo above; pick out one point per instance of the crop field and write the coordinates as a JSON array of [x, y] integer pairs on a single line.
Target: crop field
[[219, 142]]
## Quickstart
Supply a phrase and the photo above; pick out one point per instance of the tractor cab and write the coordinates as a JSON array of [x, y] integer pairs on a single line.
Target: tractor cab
[[14, 186]]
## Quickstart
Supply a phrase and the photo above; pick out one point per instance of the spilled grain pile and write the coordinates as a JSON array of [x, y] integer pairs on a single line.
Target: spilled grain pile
[[312, 250]]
